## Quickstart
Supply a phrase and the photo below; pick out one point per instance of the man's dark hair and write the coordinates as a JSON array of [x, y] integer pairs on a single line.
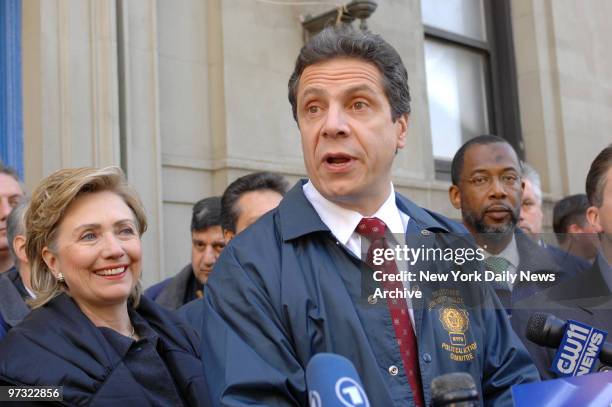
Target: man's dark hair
[[206, 213], [596, 178], [345, 42], [457, 164], [256, 181], [568, 211]]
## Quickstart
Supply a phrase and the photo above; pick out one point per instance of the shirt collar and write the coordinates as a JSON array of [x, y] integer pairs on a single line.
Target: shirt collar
[[342, 222], [510, 253], [121, 343], [297, 217]]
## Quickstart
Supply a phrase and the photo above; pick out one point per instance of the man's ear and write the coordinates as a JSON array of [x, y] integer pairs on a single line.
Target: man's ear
[[454, 195], [401, 127], [19, 248], [228, 235], [592, 215], [50, 260]]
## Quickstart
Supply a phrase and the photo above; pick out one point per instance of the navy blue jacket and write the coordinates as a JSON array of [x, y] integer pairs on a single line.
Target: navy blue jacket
[[153, 292], [285, 289], [57, 345], [13, 295], [571, 265]]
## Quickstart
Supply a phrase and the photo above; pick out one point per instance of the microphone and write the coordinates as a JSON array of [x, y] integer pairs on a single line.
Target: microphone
[[454, 390], [333, 382], [577, 343]]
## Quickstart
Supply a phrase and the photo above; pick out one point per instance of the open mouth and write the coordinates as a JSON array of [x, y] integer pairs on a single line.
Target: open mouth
[[114, 272], [337, 161]]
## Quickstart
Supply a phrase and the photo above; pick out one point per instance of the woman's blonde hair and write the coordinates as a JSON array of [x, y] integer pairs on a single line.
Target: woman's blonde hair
[[47, 209]]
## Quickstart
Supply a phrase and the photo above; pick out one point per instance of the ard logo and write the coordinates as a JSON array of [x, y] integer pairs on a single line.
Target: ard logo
[[350, 393]]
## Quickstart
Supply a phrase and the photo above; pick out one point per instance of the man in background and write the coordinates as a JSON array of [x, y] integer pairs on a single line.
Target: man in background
[[243, 202], [247, 198], [11, 193], [531, 219], [206, 244], [575, 234], [531, 215], [599, 214], [586, 297], [15, 286], [488, 188]]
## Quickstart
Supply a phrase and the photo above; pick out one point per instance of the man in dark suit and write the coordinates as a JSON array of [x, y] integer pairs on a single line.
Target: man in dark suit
[[487, 188], [586, 297]]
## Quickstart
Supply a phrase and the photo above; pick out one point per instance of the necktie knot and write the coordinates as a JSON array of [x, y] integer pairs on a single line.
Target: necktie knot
[[371, 228], [497, 264]]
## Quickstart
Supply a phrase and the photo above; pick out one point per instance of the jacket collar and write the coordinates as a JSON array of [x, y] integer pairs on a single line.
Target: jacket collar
[[173, 295], [299, 218]]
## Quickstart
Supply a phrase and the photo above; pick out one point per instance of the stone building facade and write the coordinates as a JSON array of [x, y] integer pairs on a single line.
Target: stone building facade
[[187, 95]]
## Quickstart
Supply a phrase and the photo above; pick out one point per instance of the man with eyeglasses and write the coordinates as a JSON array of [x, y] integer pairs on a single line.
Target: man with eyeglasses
[[487, 187]]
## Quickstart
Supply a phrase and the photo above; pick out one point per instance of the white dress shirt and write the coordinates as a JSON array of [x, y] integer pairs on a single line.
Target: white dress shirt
[[342, 223]]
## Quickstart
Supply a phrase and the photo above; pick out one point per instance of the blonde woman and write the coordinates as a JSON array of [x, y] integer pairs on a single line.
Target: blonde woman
[[90, 330]]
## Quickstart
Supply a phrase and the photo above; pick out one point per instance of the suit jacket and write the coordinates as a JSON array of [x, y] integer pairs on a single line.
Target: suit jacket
[[586, 297], [539, 261], [572, 265], [57, 345]]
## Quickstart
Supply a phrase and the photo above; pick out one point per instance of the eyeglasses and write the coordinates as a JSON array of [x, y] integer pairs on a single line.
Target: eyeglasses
[[485, 181]]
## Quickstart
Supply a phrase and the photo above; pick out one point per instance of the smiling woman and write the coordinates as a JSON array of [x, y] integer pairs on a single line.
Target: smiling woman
[[79, 213], [103, 342]]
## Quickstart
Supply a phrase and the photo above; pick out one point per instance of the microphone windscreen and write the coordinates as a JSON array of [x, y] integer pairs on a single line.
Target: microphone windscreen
[[333, 381], [452, 388], [545, 329], [535, 328]]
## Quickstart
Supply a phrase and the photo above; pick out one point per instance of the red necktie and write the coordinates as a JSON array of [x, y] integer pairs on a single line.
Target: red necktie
[[373, 229]]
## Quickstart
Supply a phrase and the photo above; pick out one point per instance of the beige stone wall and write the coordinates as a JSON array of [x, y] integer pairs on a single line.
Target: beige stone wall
[[564, 60], [199, 97], [564, 66]]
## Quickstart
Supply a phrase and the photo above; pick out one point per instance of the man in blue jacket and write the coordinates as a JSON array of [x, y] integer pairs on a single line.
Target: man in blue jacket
[[297, 282]]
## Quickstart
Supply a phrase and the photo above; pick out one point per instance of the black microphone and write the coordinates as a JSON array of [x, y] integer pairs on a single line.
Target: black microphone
[[454, 390], [547, 330]]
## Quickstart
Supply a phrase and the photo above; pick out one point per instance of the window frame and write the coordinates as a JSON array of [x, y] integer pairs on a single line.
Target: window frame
[[500, 75]]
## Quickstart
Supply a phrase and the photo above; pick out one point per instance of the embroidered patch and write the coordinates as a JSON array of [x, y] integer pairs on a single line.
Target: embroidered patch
[[455, 319]]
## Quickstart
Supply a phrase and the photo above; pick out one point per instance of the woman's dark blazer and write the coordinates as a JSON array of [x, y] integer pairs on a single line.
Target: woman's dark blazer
[[57, 345]]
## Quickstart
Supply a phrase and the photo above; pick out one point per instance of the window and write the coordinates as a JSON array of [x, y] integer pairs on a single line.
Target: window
[[11, 123], [471, 75]]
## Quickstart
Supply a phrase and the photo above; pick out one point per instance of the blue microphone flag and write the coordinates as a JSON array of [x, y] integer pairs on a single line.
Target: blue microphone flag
[[579, 349]]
